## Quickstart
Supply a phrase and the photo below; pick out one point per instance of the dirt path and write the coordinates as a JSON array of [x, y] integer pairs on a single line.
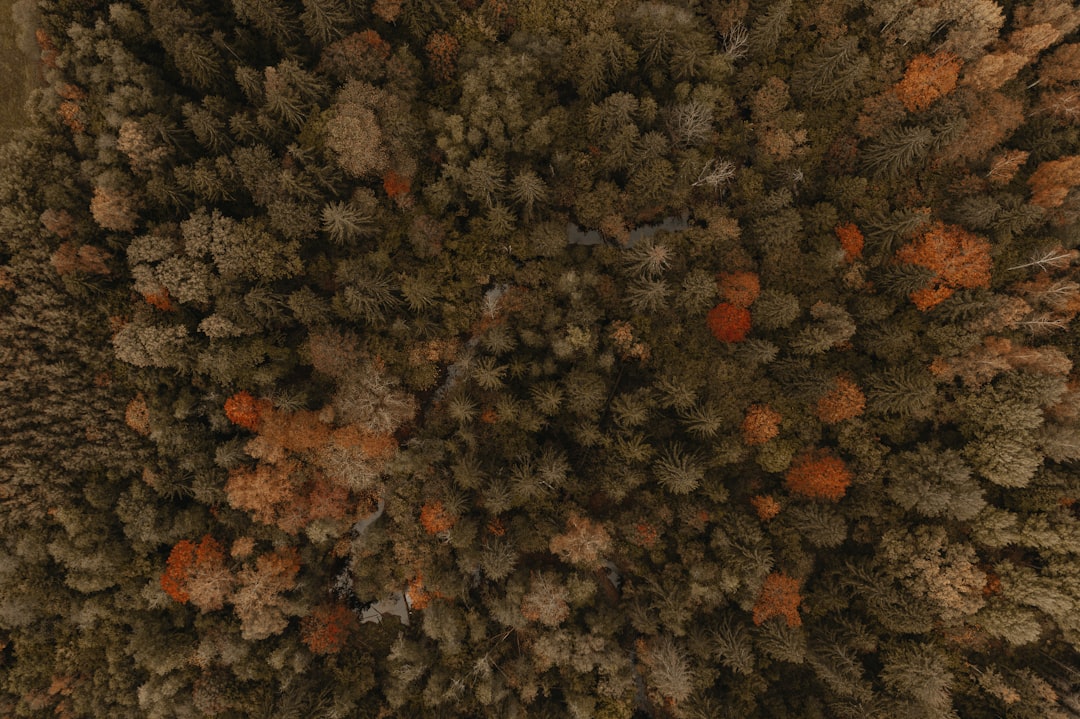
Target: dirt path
[[18, 71]]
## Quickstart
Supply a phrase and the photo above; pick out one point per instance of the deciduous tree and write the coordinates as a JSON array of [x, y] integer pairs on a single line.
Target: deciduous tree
[[927, 78], [728, 322], [196, 572], [760, 424], [739, 288], [546, 600], [958, 258], [583, 543], [779, 597], [327, 628], [1053, 179], [844, 401], [818, 474]]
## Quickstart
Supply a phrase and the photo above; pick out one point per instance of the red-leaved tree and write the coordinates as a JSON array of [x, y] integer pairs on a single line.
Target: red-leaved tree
[[245, 410], [728, 322], [442, 50], [327, 628]]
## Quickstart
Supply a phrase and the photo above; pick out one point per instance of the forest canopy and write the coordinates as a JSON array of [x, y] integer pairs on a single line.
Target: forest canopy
[[508, 358]]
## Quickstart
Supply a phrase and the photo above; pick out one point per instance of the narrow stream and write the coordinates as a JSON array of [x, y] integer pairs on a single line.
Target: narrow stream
[[578, 236]]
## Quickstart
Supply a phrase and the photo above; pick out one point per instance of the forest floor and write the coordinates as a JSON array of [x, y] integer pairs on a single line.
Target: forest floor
[[18, 71]]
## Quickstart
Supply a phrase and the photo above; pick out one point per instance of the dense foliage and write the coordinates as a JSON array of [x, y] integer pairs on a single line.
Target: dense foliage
[[311, 407]]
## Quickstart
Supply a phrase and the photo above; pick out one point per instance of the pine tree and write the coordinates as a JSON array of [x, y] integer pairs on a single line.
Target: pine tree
[[775, 309], [904, 391], [833, 326], [272, 18], [920, 672], [345, 222], [767, 30], [484, 181], [198, 60], [678, 471], [831, 73], [898, 151], [670, 673], [325, 20], [527, 189], [934, 482], [657, 28], [733, 646]]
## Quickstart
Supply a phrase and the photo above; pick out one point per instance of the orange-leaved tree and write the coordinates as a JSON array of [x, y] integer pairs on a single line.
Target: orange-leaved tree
[[307, 468], [352, 55], [435, 519], [766, 506], [70, 258], [388, 10], [442, 50], [289, 495], [728, 322], [958, 258], [844, 401], [739, 288], [760, 424], [264, 490], [114, 209], [420, 596], [1052, 181], [197, 573], [851, 240], [779, 597], [245, 410], [818, 474], [137, 415], [927, 78], [395, 184]]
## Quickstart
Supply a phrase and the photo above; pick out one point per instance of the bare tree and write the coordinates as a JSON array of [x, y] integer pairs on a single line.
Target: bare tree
[[690, 123], [736, 41], [1057, 258], [715, 173]]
